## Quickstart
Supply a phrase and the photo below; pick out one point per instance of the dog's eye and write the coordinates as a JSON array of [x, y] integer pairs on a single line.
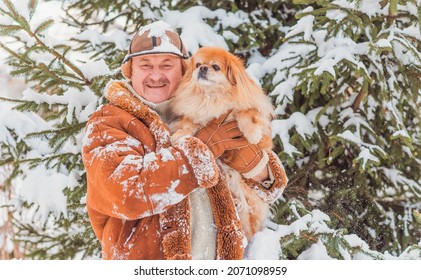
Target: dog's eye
[[198, 65], [216, 67]]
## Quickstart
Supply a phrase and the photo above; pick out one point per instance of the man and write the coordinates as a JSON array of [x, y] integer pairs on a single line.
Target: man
[[148, 198]]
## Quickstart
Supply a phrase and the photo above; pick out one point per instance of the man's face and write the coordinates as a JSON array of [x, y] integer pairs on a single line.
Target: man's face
[[155, 77]]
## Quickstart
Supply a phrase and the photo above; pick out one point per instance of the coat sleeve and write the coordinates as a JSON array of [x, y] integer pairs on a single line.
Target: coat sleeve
[[129, 180], [269, 191]]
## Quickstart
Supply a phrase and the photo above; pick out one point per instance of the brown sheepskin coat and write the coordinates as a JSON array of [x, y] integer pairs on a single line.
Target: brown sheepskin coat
[[138, 184]]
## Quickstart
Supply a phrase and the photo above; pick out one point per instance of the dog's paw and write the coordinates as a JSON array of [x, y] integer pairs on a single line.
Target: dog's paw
[[251, 130], [181, 133], [177, 136], [253, 134]]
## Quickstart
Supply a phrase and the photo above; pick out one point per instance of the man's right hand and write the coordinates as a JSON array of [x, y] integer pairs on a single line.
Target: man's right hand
[[221, 137]]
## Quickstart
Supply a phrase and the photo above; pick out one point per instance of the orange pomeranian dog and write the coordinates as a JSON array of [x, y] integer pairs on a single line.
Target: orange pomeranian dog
[[216, 83]]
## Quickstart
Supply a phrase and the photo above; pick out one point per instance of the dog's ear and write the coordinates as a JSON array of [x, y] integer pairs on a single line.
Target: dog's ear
[[238, 77], [232, 70], [184, 66], [189, 68]]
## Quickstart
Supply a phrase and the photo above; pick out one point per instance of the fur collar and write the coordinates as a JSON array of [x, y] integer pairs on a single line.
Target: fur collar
[[121, 94]]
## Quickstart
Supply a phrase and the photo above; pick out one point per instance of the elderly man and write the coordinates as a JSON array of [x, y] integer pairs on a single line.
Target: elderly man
[[148, 198]]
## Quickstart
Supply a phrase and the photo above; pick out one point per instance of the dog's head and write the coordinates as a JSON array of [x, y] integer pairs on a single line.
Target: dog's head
[[213, 68], [216, 82]]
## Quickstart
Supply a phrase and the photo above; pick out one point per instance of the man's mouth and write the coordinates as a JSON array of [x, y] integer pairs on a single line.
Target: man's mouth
[[156, 86]]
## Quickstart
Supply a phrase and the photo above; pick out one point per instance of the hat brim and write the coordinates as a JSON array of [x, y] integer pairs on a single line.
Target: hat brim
[[130, 56]]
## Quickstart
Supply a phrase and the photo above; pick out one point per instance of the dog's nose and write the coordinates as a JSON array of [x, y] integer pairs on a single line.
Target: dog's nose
[[203, 70]]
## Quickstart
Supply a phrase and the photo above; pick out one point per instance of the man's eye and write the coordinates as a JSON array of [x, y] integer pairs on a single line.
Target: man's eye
[[216, 67], [145, 66], [198, 65]]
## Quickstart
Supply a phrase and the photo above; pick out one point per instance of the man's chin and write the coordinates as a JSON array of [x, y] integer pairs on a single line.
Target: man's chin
[[157, 97]]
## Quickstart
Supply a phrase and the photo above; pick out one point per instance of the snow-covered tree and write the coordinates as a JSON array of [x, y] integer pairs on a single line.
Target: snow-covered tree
[[347, 88], [344, 76]]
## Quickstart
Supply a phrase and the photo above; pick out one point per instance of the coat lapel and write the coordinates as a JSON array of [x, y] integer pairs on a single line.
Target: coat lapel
[[231, 240]]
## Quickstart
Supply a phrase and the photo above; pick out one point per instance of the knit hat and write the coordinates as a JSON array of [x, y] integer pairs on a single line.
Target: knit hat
[[154, 38]]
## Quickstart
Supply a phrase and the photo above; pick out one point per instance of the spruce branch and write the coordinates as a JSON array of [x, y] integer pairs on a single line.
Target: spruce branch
[[12, 100], [14, 15], [6, 160], [60, 57], [59, 131], [47, 160], [8, 30], [11, 8], [32, 5], [32, 231], [25, 105], [305, 2], [363, 92], [417, 216], [44, 26], [11, 52], [83, 23], [25, 65], [393, 11], [47, 70]]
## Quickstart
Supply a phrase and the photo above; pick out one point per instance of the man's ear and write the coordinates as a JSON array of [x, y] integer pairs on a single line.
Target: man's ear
[[126, 69]]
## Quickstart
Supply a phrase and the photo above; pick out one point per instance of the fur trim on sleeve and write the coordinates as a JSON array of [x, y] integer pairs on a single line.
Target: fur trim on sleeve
[[201, 160], [271, 193]]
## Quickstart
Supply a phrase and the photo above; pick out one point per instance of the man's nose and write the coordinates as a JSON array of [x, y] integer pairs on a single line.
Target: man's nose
[[155, 74]]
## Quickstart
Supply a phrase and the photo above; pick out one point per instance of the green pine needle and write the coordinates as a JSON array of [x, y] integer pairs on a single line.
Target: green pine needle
[[417, 216], [11, 9], [32, 6], [9, 30], [44, 26], [304, 2]]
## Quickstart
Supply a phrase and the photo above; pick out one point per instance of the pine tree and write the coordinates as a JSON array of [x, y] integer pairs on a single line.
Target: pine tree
[[44, 157], [350, 94], [344, 76]]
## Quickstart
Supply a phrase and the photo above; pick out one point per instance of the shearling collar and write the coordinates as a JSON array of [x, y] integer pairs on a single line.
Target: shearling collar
[[160, 108], [121, 94]]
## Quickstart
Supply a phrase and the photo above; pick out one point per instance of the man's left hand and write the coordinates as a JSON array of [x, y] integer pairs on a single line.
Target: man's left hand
[[245, 160]]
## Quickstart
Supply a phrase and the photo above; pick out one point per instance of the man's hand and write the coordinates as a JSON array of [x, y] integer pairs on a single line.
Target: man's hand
[[221, 137], [248, 160]]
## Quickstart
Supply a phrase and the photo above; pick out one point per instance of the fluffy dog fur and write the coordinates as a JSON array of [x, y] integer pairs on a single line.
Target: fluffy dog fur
[[214, 84]]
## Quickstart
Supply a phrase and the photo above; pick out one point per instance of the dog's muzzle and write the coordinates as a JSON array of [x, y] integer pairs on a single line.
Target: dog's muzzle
[[203, 72]]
